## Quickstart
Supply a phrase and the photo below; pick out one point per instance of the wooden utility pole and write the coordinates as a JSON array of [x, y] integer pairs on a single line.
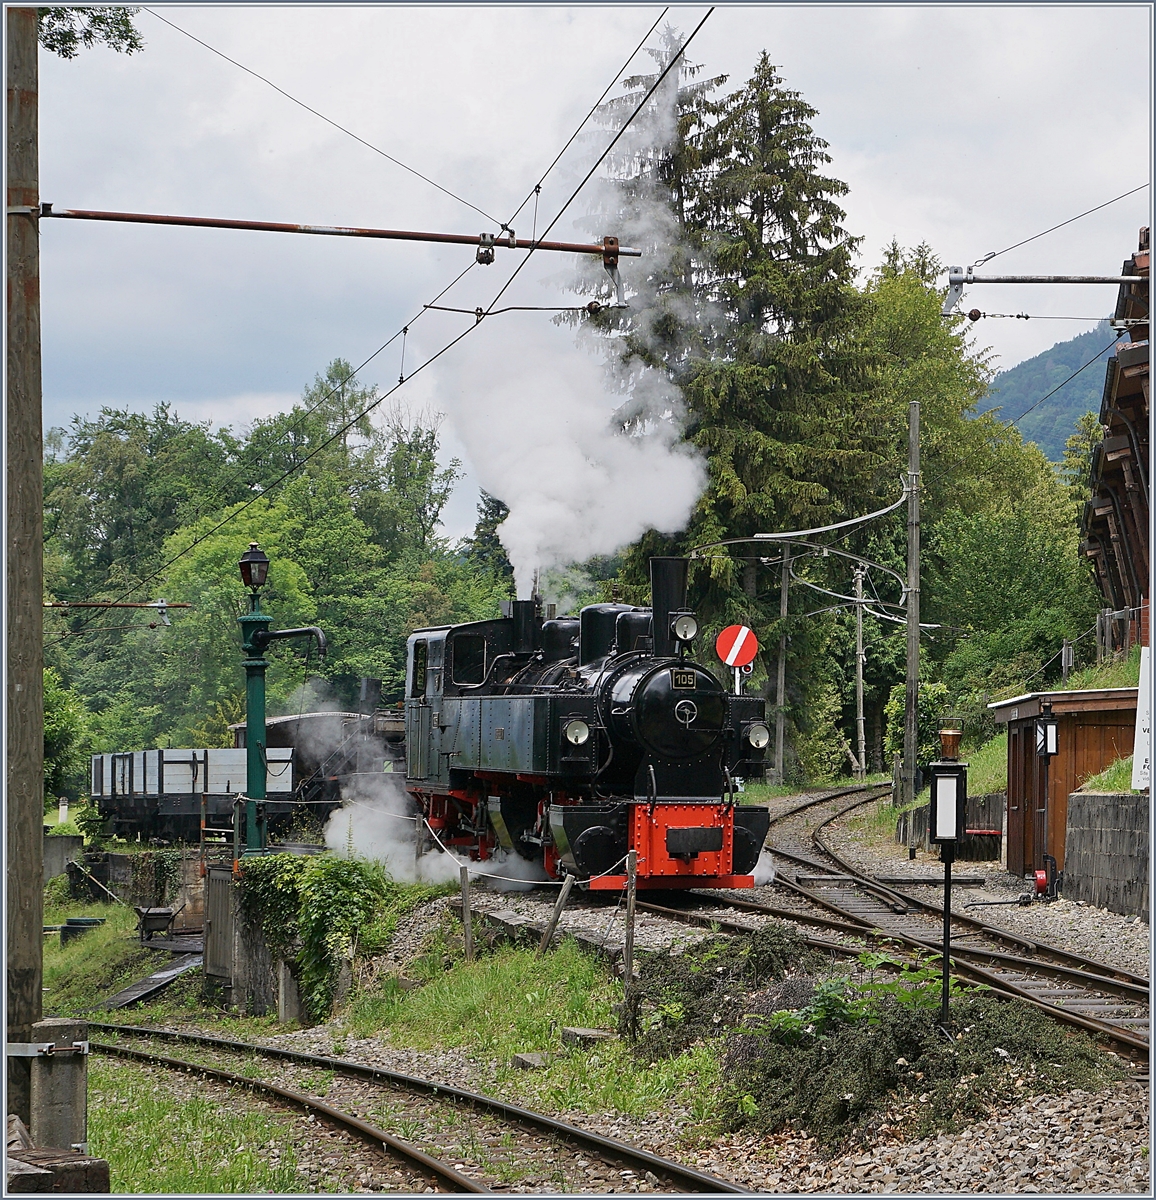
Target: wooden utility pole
[[24, 749], [911, 706], [781, 671], [860, 660]]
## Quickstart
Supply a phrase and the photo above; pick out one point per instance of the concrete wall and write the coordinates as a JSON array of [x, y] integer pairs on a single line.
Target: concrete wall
[[59, 850], [136, 880], [1107, 851]]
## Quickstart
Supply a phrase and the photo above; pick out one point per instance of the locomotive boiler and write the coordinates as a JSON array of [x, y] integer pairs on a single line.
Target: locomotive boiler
[[572, 741]]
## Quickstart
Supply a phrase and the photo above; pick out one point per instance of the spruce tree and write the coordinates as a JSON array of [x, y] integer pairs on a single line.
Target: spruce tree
[[485, 548]]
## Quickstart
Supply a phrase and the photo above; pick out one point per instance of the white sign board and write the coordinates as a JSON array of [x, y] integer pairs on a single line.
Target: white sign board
[[1142, 747]]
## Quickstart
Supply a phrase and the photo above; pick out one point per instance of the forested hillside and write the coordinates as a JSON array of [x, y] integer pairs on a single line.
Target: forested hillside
[[1051, 423], [796, 380]]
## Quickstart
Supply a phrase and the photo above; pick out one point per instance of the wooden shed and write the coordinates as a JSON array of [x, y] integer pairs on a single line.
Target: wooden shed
[[1095, 728]]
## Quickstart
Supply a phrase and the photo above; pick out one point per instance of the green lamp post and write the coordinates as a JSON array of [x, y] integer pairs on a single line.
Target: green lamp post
[[255, 637]]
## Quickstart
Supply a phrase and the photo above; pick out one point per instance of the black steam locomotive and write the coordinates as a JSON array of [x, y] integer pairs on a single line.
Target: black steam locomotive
[[572, 741]]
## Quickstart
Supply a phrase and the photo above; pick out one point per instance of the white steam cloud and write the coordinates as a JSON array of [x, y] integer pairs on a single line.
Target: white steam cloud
[[376, 822], [579, 435], [540, 435], [764, 869]]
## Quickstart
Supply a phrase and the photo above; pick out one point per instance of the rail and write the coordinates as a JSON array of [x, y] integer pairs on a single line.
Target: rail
[[686, 1177]]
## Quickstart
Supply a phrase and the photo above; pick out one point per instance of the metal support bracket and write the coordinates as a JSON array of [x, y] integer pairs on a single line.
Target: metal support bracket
[[43, 1049], [954, 292]]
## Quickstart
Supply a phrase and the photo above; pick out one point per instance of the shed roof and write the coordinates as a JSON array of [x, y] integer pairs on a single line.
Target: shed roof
[[1020, 708]]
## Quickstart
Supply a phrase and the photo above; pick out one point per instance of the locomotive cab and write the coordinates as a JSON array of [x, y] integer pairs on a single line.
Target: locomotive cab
[[571, 741]]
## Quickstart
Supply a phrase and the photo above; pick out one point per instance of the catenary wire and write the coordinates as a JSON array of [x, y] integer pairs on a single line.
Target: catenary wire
[[293, 426], [438, 353], [1051, 317], [996, 253], [323, 117], [536, 189], [1066, 381], [674, 60]]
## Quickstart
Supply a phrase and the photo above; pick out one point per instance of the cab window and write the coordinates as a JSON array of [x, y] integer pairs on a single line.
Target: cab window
[[420, 660], [469, 664]]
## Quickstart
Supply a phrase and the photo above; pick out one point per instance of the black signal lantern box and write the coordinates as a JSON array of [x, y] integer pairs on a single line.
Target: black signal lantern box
[[1047, 734], [948, 801]]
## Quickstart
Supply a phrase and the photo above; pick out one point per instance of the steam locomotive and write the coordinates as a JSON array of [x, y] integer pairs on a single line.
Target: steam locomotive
[[572, 741]]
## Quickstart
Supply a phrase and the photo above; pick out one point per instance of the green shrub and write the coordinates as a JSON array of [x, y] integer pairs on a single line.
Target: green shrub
[[834, 1062], [932, 706], [318, 911]]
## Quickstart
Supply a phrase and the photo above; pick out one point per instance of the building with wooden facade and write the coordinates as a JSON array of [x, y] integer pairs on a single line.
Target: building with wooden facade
[[1096, 727], [1114, 524]]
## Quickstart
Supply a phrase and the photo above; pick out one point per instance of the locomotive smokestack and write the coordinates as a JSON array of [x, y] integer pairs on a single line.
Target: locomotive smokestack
[[667, 595]]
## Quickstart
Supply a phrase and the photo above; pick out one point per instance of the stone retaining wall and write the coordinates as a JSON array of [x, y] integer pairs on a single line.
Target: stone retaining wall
[[1106, 858]]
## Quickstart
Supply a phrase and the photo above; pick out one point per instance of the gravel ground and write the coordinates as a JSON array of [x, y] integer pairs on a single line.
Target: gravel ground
[[1107, 936], [1080, 1142], [596, 916]]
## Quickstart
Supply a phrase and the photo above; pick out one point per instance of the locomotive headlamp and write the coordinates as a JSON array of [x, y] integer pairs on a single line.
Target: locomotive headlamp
[[254, 566], [684, 627], [759, 736], [576, 732]]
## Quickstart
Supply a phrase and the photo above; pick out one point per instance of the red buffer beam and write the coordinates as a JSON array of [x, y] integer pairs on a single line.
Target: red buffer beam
[[608, 247]]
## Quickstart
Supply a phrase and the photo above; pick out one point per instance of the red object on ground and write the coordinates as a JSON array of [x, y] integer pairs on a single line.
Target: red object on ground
[[736, 646]]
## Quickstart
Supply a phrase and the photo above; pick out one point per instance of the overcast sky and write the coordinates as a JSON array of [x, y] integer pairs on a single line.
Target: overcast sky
[[970, 127]]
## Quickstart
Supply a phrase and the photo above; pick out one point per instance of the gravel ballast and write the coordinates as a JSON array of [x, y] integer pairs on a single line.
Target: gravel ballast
[[1109, 937]]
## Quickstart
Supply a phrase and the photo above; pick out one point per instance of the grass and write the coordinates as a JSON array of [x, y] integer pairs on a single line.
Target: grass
[[1117, 672], [81, 974], [987, 766], [501, 1004], [513, 1001], [159, 1141], [1115, 778]]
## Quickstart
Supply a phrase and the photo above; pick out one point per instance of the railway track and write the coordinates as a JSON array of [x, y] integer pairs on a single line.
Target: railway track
[[425, 1111], [1110, 1003]]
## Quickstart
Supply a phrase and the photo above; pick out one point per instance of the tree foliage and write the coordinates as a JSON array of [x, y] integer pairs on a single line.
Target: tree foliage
[[66, 30], [346, 509], [67, 739]]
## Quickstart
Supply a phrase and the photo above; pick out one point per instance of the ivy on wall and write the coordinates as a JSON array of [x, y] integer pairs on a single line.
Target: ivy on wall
[[317, 912]]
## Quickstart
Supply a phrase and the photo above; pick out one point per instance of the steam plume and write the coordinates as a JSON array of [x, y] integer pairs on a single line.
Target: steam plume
[[579, 434]]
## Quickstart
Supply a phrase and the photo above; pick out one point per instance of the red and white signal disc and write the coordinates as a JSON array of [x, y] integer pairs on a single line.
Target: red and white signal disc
[[736, 646]]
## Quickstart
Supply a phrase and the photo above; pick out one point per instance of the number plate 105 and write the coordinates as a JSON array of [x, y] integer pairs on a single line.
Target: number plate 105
[[682, 679]]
